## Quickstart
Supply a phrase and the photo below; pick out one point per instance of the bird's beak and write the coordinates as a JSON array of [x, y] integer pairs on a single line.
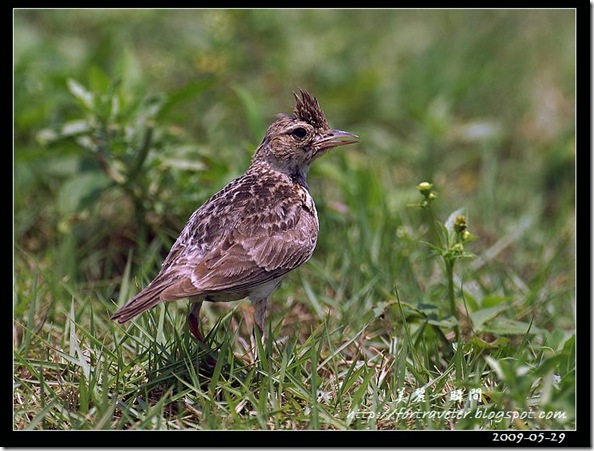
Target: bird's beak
[[335, 138]]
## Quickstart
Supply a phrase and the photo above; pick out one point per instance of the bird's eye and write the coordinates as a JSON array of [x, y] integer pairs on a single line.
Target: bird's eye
[[299, 133]]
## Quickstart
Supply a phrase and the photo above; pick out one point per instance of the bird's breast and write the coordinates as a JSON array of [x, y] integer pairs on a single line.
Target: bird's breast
[[308, 204]]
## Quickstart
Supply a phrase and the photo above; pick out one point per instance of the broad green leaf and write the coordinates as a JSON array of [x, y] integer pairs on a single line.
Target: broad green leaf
[[478, 343], [72, 128], [550, 364], [251, 111], [183, 164], [85, 97], [47, 136], [448, 322], [506, 326], [480, 317], [75, 191], [188, 92], [99, 81], [495, 366], [569, 353], [494, 301], [130, 72]]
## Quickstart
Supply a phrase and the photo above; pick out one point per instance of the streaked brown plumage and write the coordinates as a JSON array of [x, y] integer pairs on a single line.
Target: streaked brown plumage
[[252, 232]]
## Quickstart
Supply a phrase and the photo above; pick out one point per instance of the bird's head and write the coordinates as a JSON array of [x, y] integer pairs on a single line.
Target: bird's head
[[293, 142]]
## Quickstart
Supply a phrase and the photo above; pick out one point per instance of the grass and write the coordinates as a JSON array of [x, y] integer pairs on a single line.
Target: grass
[[449, 313]]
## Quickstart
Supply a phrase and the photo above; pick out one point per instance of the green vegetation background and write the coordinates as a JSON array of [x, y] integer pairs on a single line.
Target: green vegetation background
[[125, 121]]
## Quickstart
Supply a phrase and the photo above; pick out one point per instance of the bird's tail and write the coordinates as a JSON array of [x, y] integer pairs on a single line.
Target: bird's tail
[[146, 299]]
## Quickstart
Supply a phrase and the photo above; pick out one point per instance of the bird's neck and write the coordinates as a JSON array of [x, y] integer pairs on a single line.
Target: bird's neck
[[300, 177], [296, 174]]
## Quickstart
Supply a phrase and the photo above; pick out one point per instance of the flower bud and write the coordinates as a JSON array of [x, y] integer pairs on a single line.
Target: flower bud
[[425, 188], [457, 248], [460, 224]]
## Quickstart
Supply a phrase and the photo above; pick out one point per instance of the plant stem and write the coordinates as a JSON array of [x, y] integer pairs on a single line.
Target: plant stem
[[142, 152], [135, 186], [449, 263], [434, 223]]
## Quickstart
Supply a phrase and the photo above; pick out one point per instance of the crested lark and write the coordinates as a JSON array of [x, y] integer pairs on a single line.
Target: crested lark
[[255, 230]]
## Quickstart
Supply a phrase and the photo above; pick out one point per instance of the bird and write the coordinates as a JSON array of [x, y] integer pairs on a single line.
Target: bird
[[255, 230]]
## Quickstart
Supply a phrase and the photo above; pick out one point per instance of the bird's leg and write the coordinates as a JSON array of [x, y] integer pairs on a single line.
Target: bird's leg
[[260, 314], [194, 320], [194, 323]]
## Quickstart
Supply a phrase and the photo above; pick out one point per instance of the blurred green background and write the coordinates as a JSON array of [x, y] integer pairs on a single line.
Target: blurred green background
[[125, 121], [478, 101]]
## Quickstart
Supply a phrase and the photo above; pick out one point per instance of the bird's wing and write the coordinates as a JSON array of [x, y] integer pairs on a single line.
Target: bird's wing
[[274, 232], [249, 233]]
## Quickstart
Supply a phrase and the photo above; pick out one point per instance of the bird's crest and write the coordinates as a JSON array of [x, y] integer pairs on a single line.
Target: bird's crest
[[308, 109]]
